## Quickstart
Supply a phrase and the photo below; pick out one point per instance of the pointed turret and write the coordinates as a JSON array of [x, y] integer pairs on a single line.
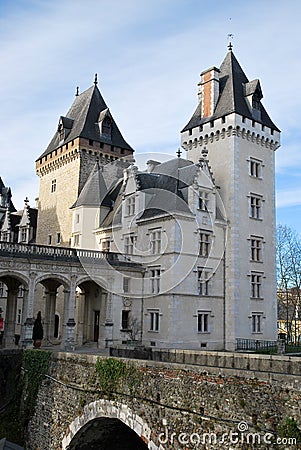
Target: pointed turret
[[227, 90], [86, 134], [88, 118]]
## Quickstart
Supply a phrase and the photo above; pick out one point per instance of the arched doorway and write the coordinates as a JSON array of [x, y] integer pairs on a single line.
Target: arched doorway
[[50, 299], [106, 433], [12, 288], [90, 313]]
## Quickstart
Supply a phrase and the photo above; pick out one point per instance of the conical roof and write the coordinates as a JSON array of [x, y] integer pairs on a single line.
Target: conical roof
[[94, 189], [234, 86], [82, 120]]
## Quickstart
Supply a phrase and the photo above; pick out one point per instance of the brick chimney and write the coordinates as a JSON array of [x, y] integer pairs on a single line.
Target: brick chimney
[[208, 90]]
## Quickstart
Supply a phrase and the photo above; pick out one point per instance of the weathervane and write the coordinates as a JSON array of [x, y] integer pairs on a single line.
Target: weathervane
[[95, 80], [179, 153], [77, 91], [230, 38]]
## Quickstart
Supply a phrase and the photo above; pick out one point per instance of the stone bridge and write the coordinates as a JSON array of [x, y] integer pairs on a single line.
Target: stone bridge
[[200, 400], [76, 278]]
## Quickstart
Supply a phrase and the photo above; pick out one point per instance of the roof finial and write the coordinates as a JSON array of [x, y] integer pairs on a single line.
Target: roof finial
[[179, 153], [230, 38], [26, 201], [77, 91], [95, 80]]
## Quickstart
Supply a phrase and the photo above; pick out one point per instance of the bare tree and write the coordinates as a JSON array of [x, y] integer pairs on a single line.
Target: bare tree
[[289, 279], [134, 328]]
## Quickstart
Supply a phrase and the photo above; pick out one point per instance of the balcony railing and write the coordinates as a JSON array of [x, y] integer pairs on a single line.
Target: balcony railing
[[36, 251]]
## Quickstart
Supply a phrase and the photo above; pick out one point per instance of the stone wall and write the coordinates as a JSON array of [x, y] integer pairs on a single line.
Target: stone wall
[[171, 398]]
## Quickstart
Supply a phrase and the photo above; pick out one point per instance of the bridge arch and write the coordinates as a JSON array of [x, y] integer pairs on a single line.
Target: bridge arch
[[110, 410]]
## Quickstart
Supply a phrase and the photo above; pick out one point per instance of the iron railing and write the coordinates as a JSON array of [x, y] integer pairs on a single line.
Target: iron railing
[[256, 345]]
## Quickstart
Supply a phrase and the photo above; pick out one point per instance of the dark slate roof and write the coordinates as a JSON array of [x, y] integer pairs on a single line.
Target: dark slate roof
[[155, 182], [82, 121], [165, 202], [94, 189], [115, 197], [172, 166], [234, 85], [6, 194]]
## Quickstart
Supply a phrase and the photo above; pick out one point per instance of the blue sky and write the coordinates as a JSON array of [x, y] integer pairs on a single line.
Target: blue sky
[[148, 56]]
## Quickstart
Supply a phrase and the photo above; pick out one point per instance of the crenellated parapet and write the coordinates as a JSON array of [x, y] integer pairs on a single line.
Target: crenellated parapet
[[259, 138]]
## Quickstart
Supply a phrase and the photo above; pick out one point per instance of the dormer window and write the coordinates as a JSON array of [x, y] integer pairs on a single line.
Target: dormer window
[[256, 101], [61, 131], [23, 234], [107, 126]]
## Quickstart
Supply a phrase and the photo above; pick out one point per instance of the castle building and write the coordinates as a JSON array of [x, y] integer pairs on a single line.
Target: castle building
[[241, 140], [201, 229], [88, 132]]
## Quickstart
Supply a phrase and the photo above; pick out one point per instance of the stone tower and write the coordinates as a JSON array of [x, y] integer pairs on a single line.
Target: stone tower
[[241, 139], [86, 134]]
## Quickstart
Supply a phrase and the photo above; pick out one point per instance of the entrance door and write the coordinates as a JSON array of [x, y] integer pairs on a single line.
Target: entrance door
[[96, 325]]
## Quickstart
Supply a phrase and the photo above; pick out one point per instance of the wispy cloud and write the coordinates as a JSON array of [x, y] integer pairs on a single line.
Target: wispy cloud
[[148, 56]]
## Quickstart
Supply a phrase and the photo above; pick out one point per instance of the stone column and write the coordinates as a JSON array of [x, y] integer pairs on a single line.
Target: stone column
[[68, 341], [50, 304], [80, 318], [108, 325], [11, 307], [28, 310]]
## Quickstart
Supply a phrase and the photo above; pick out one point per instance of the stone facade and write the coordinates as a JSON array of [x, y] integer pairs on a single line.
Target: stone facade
[[172, 398], [241, 154]]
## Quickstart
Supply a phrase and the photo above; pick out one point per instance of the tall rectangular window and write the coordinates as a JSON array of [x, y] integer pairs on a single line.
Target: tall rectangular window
[[256, 285], [130, 206], [1, 289], [154, 320], [255, 168], [255, 206], [58, 238], [126, 284], [49, 239], [155, 278], [203, 200], [129, 244], [53, 185], [23, 234], [105, 245], [125, 316], [203, 322], [5, 236], [256, 248], [76, 240], [203, 281], [256, 323], [204, 244], [155, 241]]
